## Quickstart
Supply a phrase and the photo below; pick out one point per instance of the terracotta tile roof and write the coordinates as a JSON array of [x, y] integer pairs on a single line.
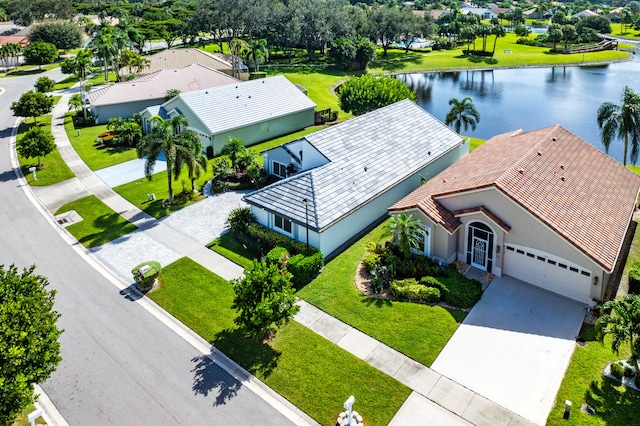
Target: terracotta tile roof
[[585, 196], [487, 212], [180, 58]]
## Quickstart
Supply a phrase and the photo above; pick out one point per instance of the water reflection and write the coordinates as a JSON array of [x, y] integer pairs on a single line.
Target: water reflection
[[530, 98]]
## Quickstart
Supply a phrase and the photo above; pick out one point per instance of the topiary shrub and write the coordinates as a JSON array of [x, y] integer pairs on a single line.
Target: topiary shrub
[[304, 268], [145, 274], [278, 256], [370, 261], [634, 278], [430, 281], [617, 370], [410, 289]]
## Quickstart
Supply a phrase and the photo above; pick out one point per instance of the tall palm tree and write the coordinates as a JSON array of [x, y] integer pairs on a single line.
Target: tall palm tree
[[405, 231], [238, 48], [197, 162], [621, 320], [232, 148], [258, 52], [462, 114], [167, 137], [104, 46], [621, 121]]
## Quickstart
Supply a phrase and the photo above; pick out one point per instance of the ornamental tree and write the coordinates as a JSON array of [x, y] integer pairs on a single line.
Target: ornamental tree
[[36, 142], [360, 95], [40, 53], [44, 84], [264, 299], [29, 347], [32, 104]]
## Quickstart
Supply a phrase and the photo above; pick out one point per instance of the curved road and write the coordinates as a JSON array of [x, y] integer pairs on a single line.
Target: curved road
[[121, 365]]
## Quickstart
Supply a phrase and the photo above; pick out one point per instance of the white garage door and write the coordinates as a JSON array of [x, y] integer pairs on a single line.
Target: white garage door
[[547, 271]]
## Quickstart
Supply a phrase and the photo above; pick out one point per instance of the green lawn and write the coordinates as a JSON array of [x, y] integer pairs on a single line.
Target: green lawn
[[23, 70], [629, 32], [583, 383], [228, 247], [54, 168], [83, 141], [23, 417], [474, 143], [100, 224], [136, 192], [419, 331], [308, 370]]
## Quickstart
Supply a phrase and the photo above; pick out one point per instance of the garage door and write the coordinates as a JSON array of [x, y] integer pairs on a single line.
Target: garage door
[[549, 272]]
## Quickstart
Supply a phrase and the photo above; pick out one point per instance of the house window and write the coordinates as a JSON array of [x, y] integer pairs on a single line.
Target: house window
[[423, 245], [283, 224], [279, 169]]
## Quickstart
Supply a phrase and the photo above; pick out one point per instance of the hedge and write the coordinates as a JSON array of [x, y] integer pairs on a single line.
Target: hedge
[[634, 278], [463, 292], [412, 290], [304, 268]]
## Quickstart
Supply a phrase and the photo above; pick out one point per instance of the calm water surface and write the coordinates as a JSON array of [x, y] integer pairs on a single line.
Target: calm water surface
[[530, 98]]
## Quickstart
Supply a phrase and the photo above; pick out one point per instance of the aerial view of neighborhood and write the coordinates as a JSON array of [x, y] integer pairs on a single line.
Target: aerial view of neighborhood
[[319, 212]]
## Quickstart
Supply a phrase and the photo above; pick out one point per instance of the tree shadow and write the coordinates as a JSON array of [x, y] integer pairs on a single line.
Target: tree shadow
[[7, 175], [110, 228], [612, 404], [375, 302], [481, 59], [209, 377], [131, 293], [397, 64], [258, 358]]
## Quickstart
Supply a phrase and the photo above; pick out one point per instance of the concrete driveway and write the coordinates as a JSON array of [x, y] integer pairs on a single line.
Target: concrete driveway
[[514, 347]]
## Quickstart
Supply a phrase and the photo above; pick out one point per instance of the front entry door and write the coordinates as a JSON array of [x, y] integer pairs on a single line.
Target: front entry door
[[479, 253]]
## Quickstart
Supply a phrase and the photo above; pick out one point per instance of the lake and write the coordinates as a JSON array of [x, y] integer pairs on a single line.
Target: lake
[[530, 98]]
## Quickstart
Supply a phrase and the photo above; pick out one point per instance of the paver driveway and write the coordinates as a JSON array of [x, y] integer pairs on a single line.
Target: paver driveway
[[514, 347]]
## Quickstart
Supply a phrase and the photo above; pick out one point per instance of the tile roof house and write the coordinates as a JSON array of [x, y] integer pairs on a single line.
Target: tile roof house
[[253, 111], [180, 58], [350, 172], [542, 206], [129, 97]]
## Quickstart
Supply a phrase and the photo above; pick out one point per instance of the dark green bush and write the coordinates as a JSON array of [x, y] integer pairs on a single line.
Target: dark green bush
[[370, 261], [463, 292], [636, 381], [430, 281], [304, 268], [239, 219], [629, 371], [617, 370], [634, 278], [412, 290], [262, 240], [278, 256], [257, 75]]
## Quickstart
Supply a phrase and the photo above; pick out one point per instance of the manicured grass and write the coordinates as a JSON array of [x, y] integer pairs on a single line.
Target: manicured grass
[[23, 70], [311, 372], [475, 142], [54, 170], [584, 383], [83, 141], [228, 247], [23, 417], [419, 331], [100, 224], [136, 192], [629, 32]]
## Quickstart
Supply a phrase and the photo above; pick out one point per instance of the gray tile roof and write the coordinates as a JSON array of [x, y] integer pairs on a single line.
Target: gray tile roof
[[237, 105], [155, 85], [368, 155]]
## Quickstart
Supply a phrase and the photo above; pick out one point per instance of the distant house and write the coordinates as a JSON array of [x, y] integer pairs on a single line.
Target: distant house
[[435, 13], [180, 58], [484, 14], [543, 206], [536, 14], [584, 14], [614, 15], [253, 111], [350, 172], [127, 98]]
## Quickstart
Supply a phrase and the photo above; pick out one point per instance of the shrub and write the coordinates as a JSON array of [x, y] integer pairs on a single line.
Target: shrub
[[412, 290], [239, 219], [463, 292], [430, 281], [617, 370], [257, 75], [370, 261], [529, 42], [381, 278], [278, 256], [636, 381], [262, 240], [629, 371], [634, 278], [304, 268]]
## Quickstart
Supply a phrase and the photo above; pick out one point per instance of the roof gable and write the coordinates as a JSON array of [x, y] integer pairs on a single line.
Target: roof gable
[[367, 155], [583, 195]]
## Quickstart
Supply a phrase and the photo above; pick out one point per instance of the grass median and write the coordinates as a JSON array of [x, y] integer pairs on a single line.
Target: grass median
[[310, 371]]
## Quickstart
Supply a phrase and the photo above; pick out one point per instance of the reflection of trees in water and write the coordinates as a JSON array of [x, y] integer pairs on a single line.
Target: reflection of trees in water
[[558, 75], [421, 84], [481, 84]]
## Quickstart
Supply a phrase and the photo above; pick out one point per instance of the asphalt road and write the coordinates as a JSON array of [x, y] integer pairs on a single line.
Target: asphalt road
[[120, 365]]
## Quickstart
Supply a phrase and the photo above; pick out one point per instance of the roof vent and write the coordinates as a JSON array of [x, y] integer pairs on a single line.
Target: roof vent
[[521, 171], [562, 166], [562, 178], [444, 181], [365, 168], [428, 152], [206, 92], [539, 153], [237, 96], [249, 96], [237, 87], [554, 139]]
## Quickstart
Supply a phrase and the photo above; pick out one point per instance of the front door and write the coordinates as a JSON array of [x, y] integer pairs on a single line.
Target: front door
[[479, 253]]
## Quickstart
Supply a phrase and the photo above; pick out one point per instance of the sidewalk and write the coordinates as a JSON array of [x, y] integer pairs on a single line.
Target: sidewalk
[[435, 400]]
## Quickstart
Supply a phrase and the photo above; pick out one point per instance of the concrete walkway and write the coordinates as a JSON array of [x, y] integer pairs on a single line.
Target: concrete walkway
[[435, 400]]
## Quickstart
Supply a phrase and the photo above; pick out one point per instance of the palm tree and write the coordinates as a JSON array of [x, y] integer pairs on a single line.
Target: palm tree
[[104, 45], [462, 113], [246, 158], [621, 320], [621, 121], [258, 52], [75, 102], [232, 148], [238, 48], [166, 137], [129, 131], [405, 231], [197, 162]]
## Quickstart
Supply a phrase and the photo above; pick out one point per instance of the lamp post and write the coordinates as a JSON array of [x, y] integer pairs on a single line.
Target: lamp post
[[306, 220]]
